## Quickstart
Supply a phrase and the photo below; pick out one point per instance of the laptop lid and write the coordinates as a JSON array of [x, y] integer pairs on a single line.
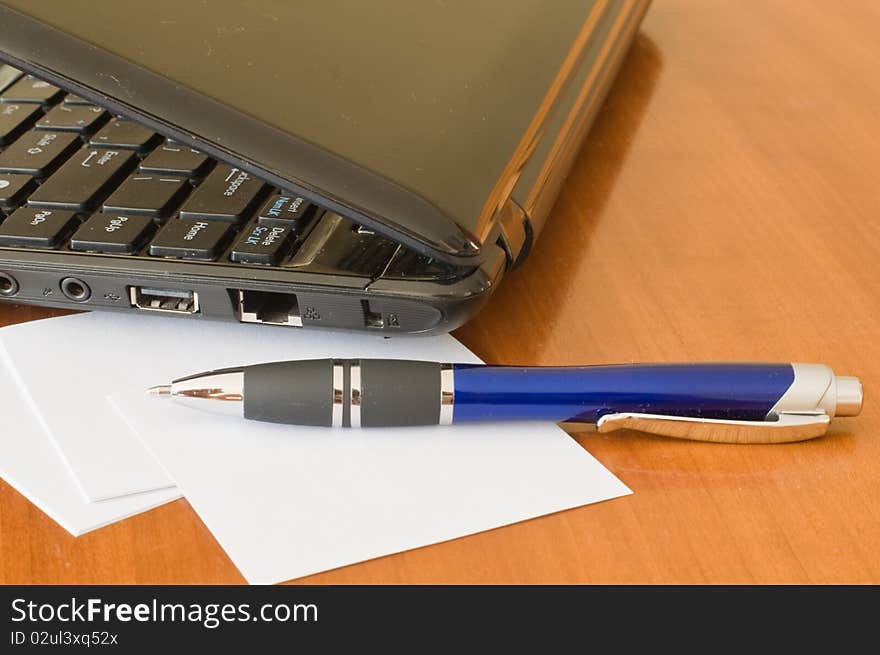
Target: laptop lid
[[412, 118]]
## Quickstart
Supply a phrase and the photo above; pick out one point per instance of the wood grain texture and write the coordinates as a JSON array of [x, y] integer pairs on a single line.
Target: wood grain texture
[[725, 207]]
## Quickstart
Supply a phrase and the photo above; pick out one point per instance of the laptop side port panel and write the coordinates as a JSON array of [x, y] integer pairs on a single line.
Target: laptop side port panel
[[315, 309], [180, 290]]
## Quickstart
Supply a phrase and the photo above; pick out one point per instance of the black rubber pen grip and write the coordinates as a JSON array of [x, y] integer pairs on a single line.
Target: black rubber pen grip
[[386, 392]]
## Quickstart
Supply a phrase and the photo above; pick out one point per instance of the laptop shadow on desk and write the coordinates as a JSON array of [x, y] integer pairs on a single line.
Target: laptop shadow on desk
[[543, 278]]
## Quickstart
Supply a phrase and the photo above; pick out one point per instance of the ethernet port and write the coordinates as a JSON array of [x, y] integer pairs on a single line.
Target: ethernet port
[[268, 308]]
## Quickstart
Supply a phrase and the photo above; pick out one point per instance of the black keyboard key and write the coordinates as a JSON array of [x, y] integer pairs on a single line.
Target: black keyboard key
[[262, 244], [84, 119], [15, 119], [227, 194], [85, 180], [124, 135], [112, 233], [201, 240], [286, 210], [31, 90], [8, 76], [152, 195], [36, 228], [38, 153], [14, 188], [176, 159], [336, 245]]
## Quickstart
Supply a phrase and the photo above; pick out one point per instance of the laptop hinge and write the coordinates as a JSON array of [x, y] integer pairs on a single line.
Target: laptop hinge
[[515, 233]]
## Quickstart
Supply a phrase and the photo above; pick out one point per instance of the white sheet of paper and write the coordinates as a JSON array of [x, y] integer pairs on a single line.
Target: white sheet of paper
[[30, 463], [287, 501], [77, 360]]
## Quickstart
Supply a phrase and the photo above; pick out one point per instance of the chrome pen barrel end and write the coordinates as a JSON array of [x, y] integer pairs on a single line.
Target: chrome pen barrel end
[[849, 395], [816, 387]]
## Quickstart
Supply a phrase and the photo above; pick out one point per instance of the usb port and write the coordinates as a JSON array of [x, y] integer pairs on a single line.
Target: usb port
[[173, 301], [269, 308]]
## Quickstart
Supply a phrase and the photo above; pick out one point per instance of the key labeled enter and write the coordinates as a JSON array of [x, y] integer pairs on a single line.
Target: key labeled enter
[[84, 180]]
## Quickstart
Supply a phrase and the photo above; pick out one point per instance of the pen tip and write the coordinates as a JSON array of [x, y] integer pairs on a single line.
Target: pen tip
[[160, 390]]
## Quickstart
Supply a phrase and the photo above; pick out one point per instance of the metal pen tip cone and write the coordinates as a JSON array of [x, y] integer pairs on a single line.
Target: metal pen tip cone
[[160, 390]]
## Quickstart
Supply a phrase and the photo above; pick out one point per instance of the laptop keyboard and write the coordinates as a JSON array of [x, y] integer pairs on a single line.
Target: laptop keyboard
[[75, 178]]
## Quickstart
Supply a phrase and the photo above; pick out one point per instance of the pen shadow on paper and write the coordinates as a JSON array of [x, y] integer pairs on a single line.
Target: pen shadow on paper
[[566, 233]]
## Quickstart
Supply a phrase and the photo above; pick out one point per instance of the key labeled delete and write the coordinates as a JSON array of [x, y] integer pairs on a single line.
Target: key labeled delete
[[262, 244]]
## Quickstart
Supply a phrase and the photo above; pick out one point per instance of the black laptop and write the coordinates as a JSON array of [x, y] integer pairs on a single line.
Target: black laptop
[[360, 165]]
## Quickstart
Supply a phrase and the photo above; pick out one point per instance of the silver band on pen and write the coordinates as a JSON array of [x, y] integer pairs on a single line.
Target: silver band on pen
[[338, 394], [447, 394], [355, 394]]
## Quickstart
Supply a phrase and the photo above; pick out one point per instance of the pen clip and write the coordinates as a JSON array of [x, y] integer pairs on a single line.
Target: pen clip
[[788, 426]]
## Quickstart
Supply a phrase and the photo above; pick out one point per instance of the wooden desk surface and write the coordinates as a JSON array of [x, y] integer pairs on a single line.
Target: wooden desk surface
[[725, 207]]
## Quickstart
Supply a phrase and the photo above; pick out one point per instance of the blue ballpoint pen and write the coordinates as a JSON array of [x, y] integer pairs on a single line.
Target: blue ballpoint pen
[[736, 403]]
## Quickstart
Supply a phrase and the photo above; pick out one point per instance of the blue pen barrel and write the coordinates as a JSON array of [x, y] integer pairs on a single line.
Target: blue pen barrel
[[586, 393]]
